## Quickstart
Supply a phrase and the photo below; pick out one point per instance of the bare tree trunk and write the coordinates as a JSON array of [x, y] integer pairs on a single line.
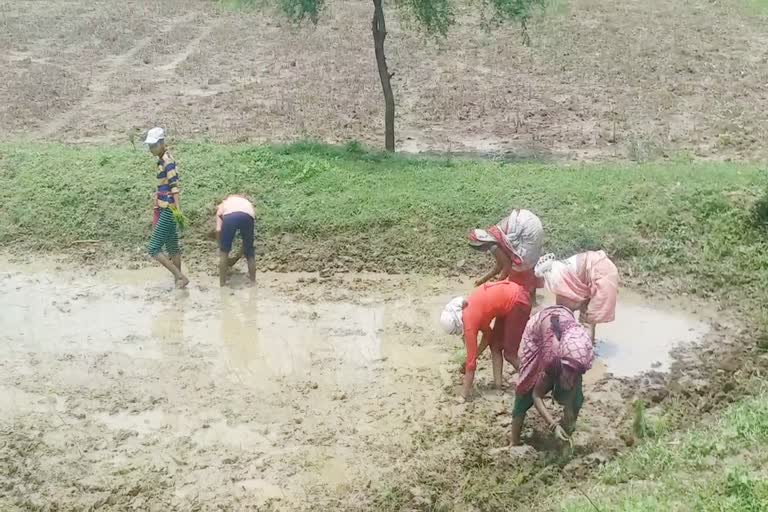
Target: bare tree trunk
[[379, 35]]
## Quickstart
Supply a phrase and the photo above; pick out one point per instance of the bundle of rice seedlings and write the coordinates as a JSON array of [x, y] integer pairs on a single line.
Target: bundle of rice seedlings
[[179, 217]]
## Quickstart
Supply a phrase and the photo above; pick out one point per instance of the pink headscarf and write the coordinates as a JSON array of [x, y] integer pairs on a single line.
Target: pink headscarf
[[494, 235], [562, 277], [520, 236], [587, 277], [541, 351]]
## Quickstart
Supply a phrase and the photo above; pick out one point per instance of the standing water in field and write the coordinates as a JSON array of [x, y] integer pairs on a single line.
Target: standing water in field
[[249, 395], [642, 337]]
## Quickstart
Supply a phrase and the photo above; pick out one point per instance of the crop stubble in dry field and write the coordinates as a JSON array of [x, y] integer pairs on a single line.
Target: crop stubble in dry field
[[603, 79]]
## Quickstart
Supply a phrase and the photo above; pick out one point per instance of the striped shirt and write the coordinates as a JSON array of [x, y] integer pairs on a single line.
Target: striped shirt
[[167, 181]]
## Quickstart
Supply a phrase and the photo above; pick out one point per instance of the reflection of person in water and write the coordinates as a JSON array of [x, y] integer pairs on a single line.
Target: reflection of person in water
[[239, 331], [555, 353], [168, 327], [506, 302], [587, 282]]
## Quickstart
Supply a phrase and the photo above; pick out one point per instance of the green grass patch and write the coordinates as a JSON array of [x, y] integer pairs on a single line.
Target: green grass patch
[[755, 7], [718, 467]]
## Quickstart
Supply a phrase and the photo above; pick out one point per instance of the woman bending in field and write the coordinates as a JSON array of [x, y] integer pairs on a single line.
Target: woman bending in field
[[555, 353], [515, 243], [506, 302], [587, 282]]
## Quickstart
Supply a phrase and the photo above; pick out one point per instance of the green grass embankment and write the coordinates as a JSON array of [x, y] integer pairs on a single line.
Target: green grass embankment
[[690, 223]]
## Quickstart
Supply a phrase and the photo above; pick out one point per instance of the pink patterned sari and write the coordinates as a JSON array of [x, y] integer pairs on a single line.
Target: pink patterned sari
[[541, 351], [589, 278]]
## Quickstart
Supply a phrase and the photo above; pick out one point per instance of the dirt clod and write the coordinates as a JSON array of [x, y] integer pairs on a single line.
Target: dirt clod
[[521, 452], [730, 364], [657, 393]]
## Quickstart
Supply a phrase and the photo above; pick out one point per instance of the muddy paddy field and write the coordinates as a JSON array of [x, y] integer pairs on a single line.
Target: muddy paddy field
[[121, 393], [328, 385]]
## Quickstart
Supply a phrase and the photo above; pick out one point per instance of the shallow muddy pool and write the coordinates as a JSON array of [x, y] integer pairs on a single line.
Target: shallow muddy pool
[[248, 395], [643, 335]]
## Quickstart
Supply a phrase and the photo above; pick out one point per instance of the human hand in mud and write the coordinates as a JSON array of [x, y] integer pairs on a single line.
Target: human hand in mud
[[560, 433]]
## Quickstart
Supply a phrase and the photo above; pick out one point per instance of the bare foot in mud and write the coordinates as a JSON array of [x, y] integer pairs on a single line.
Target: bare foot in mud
[[182, 282]]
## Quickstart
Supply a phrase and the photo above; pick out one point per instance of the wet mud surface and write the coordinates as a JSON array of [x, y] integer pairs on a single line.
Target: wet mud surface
[[120, 392]]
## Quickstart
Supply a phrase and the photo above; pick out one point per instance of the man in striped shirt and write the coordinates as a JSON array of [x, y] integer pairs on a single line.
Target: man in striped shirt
[[165, 233]]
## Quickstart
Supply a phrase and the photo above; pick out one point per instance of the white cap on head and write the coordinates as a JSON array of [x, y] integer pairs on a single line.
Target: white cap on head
[[154, 136], [452, 317]]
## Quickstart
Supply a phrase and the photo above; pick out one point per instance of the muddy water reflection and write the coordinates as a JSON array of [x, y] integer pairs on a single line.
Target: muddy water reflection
[[641, 338], [260, 336], [298, 384], [248, 330]]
